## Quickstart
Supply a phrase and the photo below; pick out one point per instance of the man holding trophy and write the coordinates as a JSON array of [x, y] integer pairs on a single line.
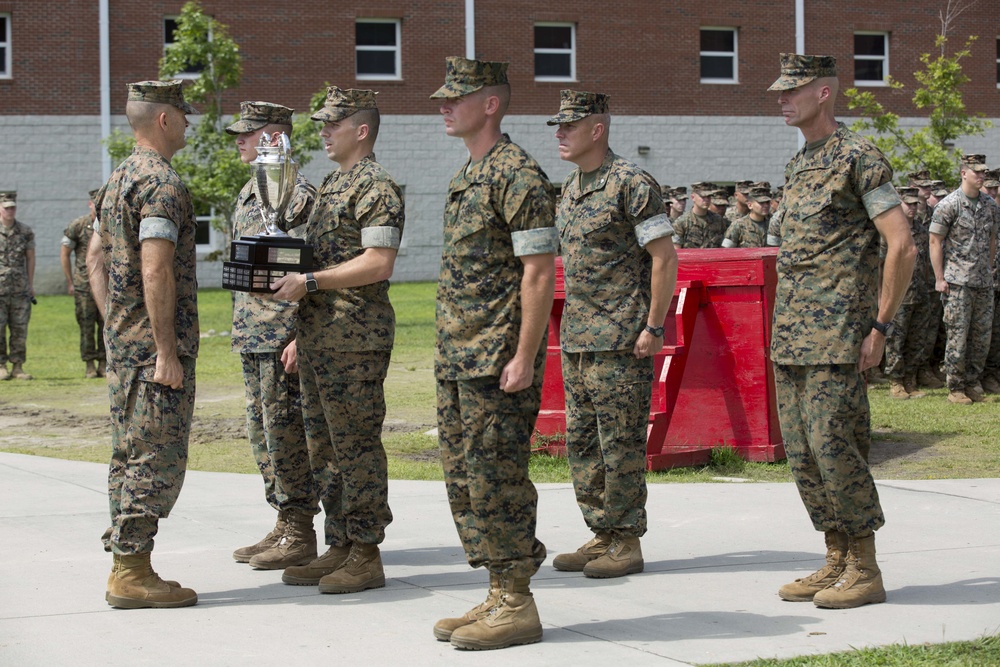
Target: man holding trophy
[[344, 339], [262, 329]]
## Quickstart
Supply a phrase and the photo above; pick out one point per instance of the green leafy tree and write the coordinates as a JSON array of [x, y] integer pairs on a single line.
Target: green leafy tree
[[930, 147], [210, 165]]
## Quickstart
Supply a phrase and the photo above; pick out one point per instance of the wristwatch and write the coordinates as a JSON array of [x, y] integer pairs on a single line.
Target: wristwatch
[[884, 329], [311, 284], [655, 331]]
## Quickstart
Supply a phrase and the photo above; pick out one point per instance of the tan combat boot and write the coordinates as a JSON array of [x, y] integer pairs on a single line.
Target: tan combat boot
[[18, 373], [4, 373], [910, 385], [244, 554], [861, 582], [513, 620], [958, 396], [975, 392], [991, 385], [897, 390], [575, 561], [296, 547], [362, 570], [446, 626], [311, 573], [624, 556], [927, 379], [91, 371], [803, 590], [134, 585], [102, 368]]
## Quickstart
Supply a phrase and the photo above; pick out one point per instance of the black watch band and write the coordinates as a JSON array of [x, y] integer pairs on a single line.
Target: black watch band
[[884, 329], [656, 331], [311, 284]]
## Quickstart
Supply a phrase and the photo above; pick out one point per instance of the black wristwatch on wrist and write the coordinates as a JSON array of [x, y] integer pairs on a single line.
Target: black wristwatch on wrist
[[884, 329], [655, 331], [311, 285]]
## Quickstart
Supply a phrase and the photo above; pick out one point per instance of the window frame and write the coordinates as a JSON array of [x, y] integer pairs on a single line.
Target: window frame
[[7, 61], [397, 50], [883, 59], [571, 51], [215, 237], [998, 62], [734, 54], [185, 75]]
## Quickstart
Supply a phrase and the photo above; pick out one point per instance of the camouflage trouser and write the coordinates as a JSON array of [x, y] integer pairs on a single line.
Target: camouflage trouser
[[91, 327], [15, 311], [150, 425], [904, 350], [968, 318], [825, 423], [935, 313], [485, 438], [607, 413], [343, 407], [277, 436], [993, 358]]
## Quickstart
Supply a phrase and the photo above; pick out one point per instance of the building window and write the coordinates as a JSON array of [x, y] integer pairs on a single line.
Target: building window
[[377, 49], [871, 58], [719, 55], [170, 28], [555, 52], [998, 62], [206, 237], [4, 46]]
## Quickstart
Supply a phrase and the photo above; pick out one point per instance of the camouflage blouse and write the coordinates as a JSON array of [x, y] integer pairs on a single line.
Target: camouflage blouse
[[603, 229], [968, 234], [15, 242], [355, 210], [145, 198], [695, 231], [745, 232], [499, 209], [76, 237], [828, 263], [262, 324]]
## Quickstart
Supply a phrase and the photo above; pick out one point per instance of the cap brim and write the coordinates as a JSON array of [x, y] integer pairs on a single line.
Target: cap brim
[[187, 108], [566, 117], [332, 114], [246, 125], [785, 82], [8, 204], [453, 89]]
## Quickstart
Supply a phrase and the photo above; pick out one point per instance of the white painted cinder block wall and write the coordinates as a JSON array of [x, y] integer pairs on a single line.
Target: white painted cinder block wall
[[53, 161]]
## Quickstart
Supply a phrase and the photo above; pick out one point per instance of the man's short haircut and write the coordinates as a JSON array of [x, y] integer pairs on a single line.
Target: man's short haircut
[[369, 117], [502, 93], [141, 115]]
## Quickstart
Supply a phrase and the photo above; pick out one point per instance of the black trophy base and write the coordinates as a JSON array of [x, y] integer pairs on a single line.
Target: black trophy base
[[258, 261]]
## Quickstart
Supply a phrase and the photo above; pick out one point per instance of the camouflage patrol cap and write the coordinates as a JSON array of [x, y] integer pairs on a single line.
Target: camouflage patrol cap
[[665, 190], [160, 92], [759, 194], [974, 161], [761, 184], [8, 199], [704, 188], [992, 178], [93, 195], [798, 70], [743, 187], [938, 188], [909, 195], [680, 193], [720, 199], [575, 104], [341, 104], [779, 191], [921, 179], [255, 115], [464, 76]]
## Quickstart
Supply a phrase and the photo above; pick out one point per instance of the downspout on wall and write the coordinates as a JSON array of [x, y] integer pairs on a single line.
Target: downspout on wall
[[105, 65]]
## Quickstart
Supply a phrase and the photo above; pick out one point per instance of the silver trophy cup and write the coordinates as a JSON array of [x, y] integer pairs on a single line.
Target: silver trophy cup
[[275, 173]]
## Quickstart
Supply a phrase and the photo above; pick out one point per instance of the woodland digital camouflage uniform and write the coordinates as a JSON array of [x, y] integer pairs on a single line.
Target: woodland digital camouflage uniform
[[733, 212], [694, 231], [15, 299], [823, 310], [262, 327], [150, 422], [344, 339], [992, 368], [604, 228], [498, 209], [746, 232], [968, 268], [77, 237]]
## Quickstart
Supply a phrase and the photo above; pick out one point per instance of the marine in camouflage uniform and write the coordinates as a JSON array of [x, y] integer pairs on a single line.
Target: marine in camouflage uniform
[[963, 245], [904, 350], [344, 337], [262, 329], [620, 270], [146, 241], [700, 227], [829, 326], [750, 231], [17, 274], [75, 241], [494, 298], [677, 202], [741, 207], [991, 372]]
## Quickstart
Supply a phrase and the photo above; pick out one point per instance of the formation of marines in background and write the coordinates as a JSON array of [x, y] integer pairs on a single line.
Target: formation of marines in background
[[315, 353]]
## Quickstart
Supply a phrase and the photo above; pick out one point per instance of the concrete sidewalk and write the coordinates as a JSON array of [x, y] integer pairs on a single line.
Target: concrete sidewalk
[[715, 557]]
